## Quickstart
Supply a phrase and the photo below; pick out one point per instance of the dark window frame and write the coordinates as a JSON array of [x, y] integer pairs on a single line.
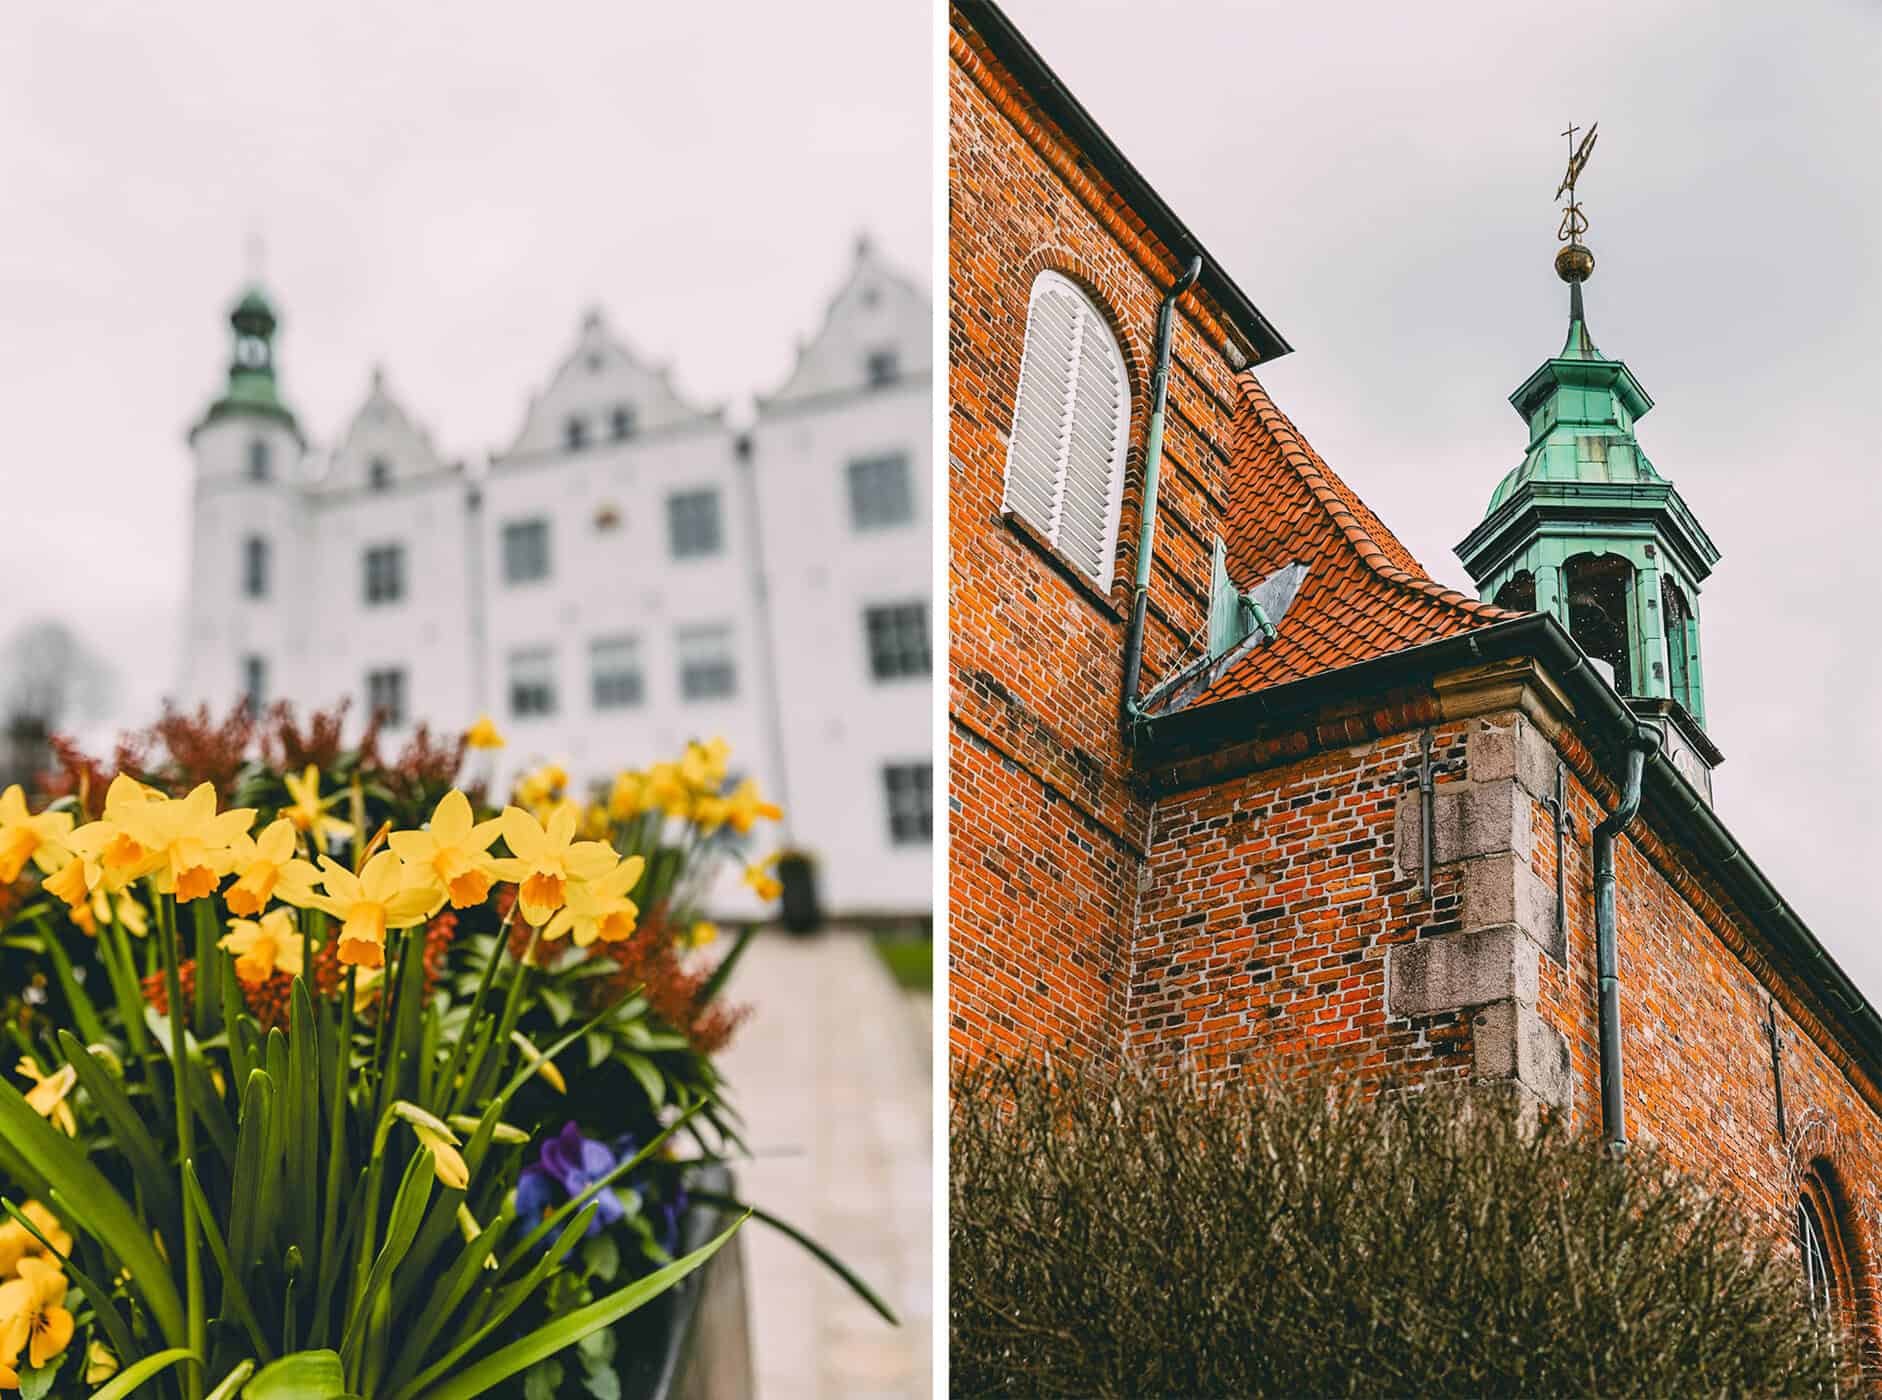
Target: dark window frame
[[695, 523], [881, 491], [532, 698], [896, 638], [623, 685], [712, 678], [256, 561], [390, 712], [527, 550], [384, 574], [910, 823]]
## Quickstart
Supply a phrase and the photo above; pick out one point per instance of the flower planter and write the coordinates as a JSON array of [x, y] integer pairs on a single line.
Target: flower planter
[[693, 1342]]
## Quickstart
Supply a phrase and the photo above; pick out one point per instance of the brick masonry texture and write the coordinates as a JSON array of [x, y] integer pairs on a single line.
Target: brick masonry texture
[[1256, 901]]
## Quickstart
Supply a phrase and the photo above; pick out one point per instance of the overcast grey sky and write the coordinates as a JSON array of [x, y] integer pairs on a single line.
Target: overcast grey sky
[[441, 188], [1378, 179]]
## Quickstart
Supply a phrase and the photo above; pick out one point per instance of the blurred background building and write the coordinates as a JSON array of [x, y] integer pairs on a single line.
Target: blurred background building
[[631, 571]]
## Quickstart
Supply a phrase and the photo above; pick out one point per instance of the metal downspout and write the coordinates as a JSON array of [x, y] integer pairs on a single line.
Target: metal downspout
[[1607, 955], [1147, 530]]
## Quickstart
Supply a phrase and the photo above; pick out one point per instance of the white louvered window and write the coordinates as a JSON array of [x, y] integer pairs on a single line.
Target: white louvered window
[[1065, 464]]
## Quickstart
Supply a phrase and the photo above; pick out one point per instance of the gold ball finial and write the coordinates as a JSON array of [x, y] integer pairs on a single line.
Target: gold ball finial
[[1574, 263]]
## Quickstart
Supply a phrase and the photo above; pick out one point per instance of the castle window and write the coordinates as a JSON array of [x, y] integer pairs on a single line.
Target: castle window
[[575, 434], [532, 682], [1599, 588], [882, 366], [254, 683], [909, 788], [1071, 422], [693, 524], [385, 573], [255, 567], [621, 422], [525, 551], [898, 640], [708, 670], [614, 666], [259, 460], [881, 495], [379, 474], [385, 696]]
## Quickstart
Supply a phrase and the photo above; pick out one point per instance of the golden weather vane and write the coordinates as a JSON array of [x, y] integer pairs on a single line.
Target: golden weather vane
[[1574, 263], [1574, 222]]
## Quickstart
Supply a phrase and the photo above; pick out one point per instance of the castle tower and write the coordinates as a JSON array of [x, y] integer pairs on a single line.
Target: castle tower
[[1586, 529], [246, 520]]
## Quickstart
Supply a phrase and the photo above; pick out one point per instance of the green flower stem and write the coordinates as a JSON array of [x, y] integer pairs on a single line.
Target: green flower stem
[[456, 1062], [512, 1009], [336, 1128], [369, 1220], [185, 1135]]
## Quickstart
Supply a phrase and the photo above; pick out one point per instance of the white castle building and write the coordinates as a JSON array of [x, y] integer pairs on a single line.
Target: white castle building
[[630, 572]]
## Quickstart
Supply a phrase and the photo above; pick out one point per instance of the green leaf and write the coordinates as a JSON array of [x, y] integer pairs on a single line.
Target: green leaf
[[829, 1260], [601, 1256], [597, 1348], [37, 1384], [543, 1381], [149, 1167], [306, 1375], [234, 1294], [602, 1382], [599, 1046], [251, 1204], [649, 1076], [93, 1205], [229, 1384], [561, 1006], [82, 1009], [125, 1383], [723, 971], [570, 1328]]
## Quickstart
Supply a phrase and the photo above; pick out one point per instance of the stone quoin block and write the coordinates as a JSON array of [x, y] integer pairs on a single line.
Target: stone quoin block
[[1467, 819], [1502, 889], [1500, 752], [1459, 970], [1511, 1041]]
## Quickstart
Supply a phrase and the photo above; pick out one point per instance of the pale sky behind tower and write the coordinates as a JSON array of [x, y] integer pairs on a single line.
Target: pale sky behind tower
[[440, 190], [1378, 179]]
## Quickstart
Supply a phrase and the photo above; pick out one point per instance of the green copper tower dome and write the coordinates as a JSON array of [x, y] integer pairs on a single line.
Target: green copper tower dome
[[1586, 529], [251, 390]]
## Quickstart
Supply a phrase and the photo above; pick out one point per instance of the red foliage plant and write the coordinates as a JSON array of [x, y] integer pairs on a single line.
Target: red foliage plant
[[648, 962]]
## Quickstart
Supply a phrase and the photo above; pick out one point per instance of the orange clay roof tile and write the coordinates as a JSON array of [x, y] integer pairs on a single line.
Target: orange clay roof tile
[[1363, 596]]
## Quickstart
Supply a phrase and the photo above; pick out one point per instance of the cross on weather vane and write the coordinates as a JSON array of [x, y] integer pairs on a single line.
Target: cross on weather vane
[[1574, 222]]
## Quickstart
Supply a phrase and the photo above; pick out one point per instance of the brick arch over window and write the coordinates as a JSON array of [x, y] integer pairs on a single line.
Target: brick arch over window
[[1107, 296], [1850, 1215]]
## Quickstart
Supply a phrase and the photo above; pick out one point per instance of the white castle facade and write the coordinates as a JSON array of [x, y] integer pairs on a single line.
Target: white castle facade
[[631, 572]]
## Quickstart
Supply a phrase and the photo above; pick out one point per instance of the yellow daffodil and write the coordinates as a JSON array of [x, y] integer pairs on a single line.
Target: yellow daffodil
[[703, 765], [544, 1066], [764, 884], [24, 836], [595, 824], [33, 1316], [436, 1137], [710, 812], [542, 787], [47, 1096], [543, 862], [386, 894], [185, 843], [308, 811], [95, 914], [454, 849], [599, 908], [100, 1364], [266, 947], [627, 797], [17, 1242], [746, 808], [666, 790], [483, 734], [106, 855], [265, 866], [704, 932]]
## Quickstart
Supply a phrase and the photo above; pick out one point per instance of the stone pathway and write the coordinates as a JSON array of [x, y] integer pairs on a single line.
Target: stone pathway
[[833, 1077]]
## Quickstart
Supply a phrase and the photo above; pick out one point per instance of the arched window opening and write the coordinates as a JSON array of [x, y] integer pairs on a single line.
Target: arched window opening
[[1814, 1244], [1518, 593], [1071, 423], [379, 473], [255, 566], [1676, 617], [1598, 585], [259, 462]]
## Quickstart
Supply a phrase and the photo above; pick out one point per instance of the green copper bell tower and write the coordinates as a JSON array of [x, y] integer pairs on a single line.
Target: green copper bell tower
[[1584, 528], [252, 391]]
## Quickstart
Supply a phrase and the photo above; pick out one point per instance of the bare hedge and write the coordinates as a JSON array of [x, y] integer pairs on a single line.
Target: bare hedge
[[1121, 1236]]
